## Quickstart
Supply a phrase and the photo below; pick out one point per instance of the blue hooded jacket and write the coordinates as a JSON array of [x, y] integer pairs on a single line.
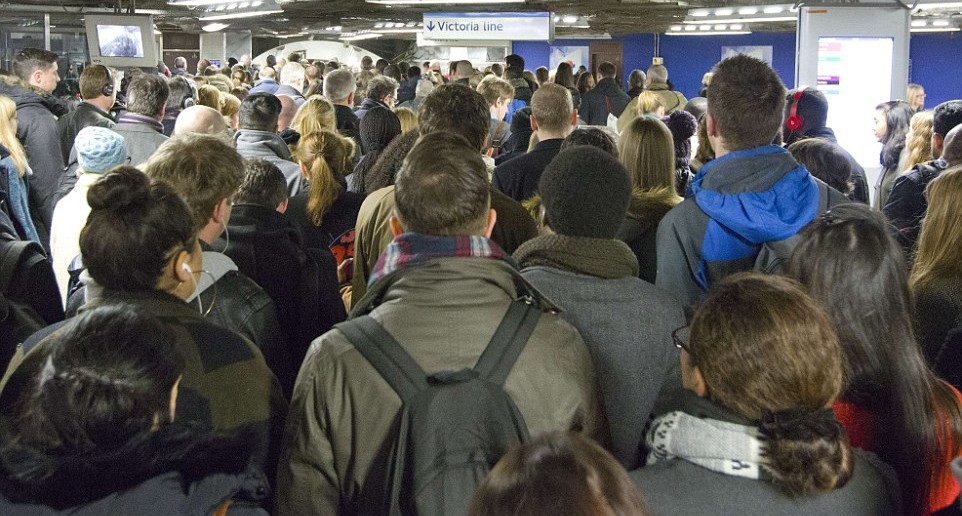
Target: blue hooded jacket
[[739, 202]]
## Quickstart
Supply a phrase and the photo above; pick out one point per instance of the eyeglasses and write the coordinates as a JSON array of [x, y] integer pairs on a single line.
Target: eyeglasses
[[680, 338]]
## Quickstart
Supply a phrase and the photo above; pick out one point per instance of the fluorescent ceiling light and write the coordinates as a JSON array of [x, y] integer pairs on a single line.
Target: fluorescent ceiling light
[[676, 28], [721, 27], [690, 28], [773, 9], [940, 23], [770, 19], [937, 29], [436, 2], [398, 31], [569, 19], [232, 16], [748, 11], [379, 25], [704, 27], [700, 13], [196, 2], [938, 5], [214, 27], [710, 33], [736, 26], [724, 12], [359, 37], [919, 23]]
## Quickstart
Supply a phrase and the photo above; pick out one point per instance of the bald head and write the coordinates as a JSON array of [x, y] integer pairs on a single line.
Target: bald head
[[200, 120], [952, 148], [288, 110]]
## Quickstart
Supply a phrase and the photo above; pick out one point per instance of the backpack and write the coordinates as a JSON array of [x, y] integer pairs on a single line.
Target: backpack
[[453, 426], [775, 254], [18, 318]]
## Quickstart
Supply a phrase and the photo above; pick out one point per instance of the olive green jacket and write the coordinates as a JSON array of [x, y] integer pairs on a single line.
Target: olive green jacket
[[443, 313]]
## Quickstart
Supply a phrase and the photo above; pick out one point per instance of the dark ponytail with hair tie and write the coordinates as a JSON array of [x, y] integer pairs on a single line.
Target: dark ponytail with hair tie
[[797, 438]]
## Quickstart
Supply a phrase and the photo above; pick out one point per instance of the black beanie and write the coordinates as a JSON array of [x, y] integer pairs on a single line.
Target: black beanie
[[682, 125], [585, 192]]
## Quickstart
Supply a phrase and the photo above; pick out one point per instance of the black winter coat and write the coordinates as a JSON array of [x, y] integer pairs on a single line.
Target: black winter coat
[[907, 205], [175, 470], [269, 249], [594, 106], [37, 130]]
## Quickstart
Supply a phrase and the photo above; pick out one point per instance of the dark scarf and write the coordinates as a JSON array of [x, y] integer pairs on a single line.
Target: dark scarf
[[412, 249], [599, 257]]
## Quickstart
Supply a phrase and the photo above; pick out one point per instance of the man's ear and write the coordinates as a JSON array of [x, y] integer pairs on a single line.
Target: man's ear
[[36, 77], [492, 219], [221, 211], [938, 143], [180, 273], [574, 118], [282, 207], [396, 228], [350, 98], [534, 123], [712, 125]]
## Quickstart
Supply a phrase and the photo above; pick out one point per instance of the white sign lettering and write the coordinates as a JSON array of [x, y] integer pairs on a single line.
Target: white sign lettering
[[536, 26]]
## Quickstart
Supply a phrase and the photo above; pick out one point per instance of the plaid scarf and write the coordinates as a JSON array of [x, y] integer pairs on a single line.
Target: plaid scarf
[[411, 249]]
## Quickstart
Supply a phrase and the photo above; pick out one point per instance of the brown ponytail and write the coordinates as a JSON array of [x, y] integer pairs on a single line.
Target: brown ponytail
[[326, 155]]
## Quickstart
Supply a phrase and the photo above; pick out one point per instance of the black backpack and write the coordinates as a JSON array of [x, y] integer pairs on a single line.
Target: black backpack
[[18, 319], [774, 255], [453, 426]]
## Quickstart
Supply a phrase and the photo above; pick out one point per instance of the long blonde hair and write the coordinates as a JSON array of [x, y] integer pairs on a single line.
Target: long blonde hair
[[326, 155], [8, 135], [647, 151], [919, 145], [317, 114], [940, 242]]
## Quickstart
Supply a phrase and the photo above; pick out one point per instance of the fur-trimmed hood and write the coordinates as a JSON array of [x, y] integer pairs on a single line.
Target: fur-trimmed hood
[[32, 476], [24, 94]]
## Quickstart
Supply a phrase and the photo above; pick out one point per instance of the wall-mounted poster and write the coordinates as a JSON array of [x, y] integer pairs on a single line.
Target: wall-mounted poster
[[763, 52], [576, 56]]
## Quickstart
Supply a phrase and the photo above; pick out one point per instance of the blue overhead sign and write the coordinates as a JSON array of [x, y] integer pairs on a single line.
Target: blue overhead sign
[[537, 26]]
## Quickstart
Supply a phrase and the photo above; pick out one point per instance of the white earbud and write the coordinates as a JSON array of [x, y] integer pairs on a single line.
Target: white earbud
[[186, 268]]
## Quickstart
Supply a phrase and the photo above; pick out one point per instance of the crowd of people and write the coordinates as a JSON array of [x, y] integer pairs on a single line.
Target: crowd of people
[[306, 289]]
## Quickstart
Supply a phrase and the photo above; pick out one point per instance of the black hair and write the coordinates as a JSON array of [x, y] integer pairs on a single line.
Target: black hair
[[946, 116], [264, 184], [826, 161], [381, 86], [856, 270], [414, 72], [898, 115], [31, 59], [592, 136], [107, 379], [133, 228], [259, 112]]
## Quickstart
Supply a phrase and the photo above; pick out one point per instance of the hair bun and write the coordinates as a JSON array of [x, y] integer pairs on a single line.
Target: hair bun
[[119, 189]]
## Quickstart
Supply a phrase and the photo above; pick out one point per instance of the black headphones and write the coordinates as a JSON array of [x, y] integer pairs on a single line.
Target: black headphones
[[108, 88]]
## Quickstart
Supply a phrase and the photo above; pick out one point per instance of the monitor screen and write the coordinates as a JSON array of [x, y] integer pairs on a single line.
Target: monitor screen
[[120, 40]]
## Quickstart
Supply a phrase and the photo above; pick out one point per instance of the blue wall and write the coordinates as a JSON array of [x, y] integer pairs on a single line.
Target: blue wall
[[936, 58]]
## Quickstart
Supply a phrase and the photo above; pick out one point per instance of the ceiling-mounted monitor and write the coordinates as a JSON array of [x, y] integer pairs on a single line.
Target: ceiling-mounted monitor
[[121, 41]]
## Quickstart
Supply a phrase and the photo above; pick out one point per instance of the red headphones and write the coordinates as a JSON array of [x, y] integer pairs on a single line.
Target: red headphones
[[795, 121]]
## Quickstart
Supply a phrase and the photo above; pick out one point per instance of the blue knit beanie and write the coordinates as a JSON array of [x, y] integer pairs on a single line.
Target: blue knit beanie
[[99, 149]]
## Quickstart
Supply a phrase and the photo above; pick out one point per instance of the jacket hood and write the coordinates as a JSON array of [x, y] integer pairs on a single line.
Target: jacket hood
[[247, 220], [760, 194], [25, 95], [69, 480], [262, 142]]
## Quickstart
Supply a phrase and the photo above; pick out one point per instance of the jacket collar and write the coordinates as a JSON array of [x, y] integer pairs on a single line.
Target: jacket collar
[[598, 257], [141, 120], [264, 138], [451, 281], [548, 145]]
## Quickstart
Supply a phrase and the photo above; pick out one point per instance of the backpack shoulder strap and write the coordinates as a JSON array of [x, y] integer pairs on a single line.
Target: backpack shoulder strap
[[508, 341], [824, 197], [384, 353]]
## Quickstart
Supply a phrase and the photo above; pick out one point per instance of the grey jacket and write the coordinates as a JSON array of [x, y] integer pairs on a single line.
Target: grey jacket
[[140, 140], [626, 324], [269, 146]]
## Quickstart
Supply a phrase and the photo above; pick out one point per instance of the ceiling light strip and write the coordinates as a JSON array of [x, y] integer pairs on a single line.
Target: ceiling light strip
[[249, 14], [710, 33], [770, 19]]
